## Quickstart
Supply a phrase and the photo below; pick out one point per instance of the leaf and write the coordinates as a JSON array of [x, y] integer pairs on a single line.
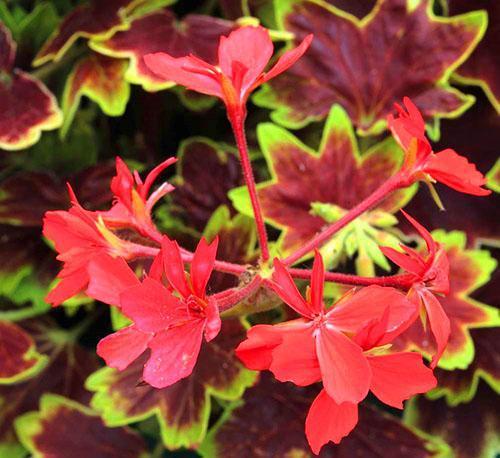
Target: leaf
[[400, 49], [481, 68], [461, 385], [27, 107], [99, 78], [63, 428], [337, 175], [206, 171], [96, 19], [470, 429], [161, 31], [270, 422], [237, 239], [65, 372], [469, 270], [183, 409], [19, 359], [493, 177]]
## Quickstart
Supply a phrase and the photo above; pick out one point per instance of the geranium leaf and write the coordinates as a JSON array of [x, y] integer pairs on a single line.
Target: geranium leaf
[[470, 429], [255, 428], [461, 385], [102, 80], [68, 366], [305, 182], [481, 68], [206, 171], [182, 409], [27, 107], [493, 177], [367, 65], [63, 428], [161, 31], [237, 239], [19, 358], [469, 270], [95, 19]]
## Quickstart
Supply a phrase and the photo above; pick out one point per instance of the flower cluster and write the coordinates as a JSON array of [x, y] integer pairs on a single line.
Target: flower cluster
[[119, 257]]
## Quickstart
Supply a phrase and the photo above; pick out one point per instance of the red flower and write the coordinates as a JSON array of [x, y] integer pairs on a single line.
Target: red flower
[[170, 321], [430, 276], [132, 205], [79, 235], [446, 166], [243, 55], [318, 347]]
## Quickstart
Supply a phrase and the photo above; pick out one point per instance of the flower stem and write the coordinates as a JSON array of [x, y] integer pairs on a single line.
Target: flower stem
[[237, 124], [401, 281], [319, 239], [230, 298]]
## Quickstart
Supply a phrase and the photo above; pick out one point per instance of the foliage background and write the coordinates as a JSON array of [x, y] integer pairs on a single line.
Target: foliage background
[[108, 106]]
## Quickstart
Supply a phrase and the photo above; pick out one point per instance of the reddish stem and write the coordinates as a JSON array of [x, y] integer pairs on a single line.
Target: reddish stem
[[401, 281], [230, 298], [142, 251], [319, 239], [237, 120]]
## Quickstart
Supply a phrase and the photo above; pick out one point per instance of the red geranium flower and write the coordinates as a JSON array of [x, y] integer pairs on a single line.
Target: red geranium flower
[[133, 204], [421, 163], [243, 55], [430, 276], [169, 320], [79, 235], [333, 346]]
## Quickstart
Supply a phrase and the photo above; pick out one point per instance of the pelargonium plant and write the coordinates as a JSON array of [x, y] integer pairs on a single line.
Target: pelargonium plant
[[280, 316]]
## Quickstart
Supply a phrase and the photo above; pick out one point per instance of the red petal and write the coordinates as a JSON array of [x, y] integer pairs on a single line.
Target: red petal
[[108, 278], [439, 322], [294, 359], [344, 368], [327, 421], [123, 183], [289, 58], [402, 260], [202, 265], [457, 172], [355, 311], [424, 233], [399, 376], [286, 289], [151, 306], [123, 347], [317, 283], [174, 267], [68, 287], [185, 71], [213, 322], [173, 354], [256, 351], [249, 49], [407, 125]]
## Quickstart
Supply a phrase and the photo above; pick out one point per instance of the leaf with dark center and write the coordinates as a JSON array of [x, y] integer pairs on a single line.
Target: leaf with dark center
[[19, 359], [310, 188], [470, 429], [237, 239], [482, 67], [27, 107], [469, 270], [95, 19], [101, 79], [182, 409], [63, 428], [68, 366], [206, 172], [400, 49], [461, 385], [270, 422], [161, 31]]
